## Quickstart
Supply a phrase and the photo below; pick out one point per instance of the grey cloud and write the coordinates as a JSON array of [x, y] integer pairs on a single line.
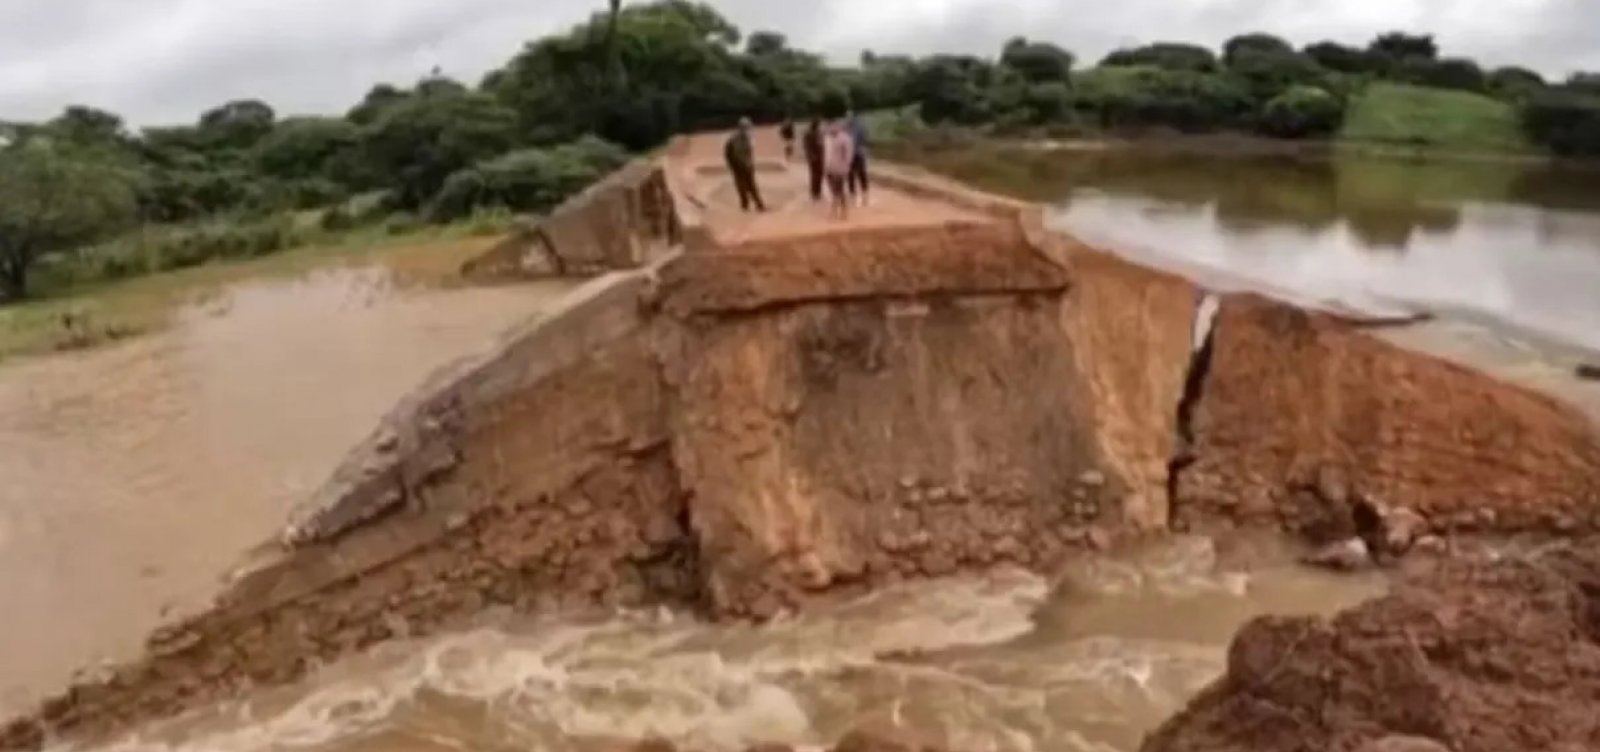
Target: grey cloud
[[160, 61]]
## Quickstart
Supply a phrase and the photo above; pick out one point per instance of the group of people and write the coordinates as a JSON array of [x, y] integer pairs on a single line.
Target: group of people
[[835, 154]]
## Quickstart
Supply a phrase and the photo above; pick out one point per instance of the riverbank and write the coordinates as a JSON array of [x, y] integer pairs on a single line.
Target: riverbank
[[97, 313], [1488, 650]]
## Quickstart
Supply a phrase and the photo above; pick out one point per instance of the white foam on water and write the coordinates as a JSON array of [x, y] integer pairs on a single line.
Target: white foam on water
[[637, 675], [979, 664]]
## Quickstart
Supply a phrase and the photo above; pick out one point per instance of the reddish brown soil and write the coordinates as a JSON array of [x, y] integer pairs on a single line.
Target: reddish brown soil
[[856, 742], [1477, 655], [784, 185]]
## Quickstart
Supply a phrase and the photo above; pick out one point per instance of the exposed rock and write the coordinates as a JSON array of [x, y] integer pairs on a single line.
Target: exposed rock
[[1401, 528], [1588, 371], [1432, 545], [1346, 556], [1403, 744]]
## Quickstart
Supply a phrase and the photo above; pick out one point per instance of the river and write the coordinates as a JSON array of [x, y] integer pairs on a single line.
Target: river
[[1008, 662], [135, 475]]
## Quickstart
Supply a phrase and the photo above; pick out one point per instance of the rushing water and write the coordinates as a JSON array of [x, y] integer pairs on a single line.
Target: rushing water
[[135, 475], [1001, 663]]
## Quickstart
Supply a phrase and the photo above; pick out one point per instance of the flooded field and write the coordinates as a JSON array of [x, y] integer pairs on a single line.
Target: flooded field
[[136, 474], [1006, 662]]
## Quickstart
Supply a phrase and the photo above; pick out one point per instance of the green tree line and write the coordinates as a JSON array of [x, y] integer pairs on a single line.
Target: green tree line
[[572, 106]]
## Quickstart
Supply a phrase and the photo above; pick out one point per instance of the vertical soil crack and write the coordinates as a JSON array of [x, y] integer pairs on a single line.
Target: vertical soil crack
[[1194, 385]]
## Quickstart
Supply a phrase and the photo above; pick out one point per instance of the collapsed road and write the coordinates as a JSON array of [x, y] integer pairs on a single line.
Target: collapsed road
[[742, 414]]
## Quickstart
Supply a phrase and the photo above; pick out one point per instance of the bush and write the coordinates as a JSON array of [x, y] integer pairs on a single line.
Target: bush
[[159, 249], [1268, 74], [1511, 81], [1565, 122], [401, 223], [1448, 73], [530, 180], [223, 240], [1301, 112], [1168, 56], [1133, 97], [1258, 43], [1344, 59]]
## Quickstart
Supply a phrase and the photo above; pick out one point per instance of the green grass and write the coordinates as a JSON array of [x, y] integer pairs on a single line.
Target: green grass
[[1441, 119]]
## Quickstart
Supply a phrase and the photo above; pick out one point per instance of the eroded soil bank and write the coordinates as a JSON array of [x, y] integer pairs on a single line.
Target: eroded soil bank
[[1480, 652]]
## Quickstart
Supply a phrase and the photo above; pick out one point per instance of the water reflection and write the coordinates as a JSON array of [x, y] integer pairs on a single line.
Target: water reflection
[[1512, 243]]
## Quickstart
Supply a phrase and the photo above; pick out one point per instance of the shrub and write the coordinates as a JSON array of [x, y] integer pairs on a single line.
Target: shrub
[[1168, 56], [1448, 73], [1565, 122], [1258, 43], [1302, 111], [1515, 82], [530, 180], [1122, 97], [1268, 73], [1344, 59], [192, 246]]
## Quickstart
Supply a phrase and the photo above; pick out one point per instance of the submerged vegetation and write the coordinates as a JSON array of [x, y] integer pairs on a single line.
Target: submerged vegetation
[[242, 182]]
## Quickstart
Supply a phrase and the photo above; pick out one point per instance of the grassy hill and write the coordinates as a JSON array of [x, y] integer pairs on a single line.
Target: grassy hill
[[1407, 115]]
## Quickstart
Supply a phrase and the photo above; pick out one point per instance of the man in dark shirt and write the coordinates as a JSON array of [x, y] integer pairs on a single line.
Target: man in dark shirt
[[740, 155], [859, 183], [812, 145]]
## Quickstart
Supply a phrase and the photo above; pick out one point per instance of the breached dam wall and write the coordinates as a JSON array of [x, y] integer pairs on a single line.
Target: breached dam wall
[[739, 429], [623, 221]]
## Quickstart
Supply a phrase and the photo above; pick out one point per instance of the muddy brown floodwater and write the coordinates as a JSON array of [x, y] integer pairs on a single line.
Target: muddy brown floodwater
[[1002, 662], [135, 475]]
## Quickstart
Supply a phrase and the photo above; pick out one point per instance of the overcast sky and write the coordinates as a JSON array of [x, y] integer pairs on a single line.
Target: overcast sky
[[163, 61]]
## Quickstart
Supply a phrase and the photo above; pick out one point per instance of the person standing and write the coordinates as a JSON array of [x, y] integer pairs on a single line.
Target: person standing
[[811, 144], [839, 154], [786, 131], [740, 156], [859, 184]]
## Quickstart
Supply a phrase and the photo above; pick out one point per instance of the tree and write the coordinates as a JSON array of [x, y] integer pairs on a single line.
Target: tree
[[1038, 62], [1270, 72], [53, 197], [1167, 55], [1396, 46], [419, 141], [1256, 42], [765, 43], [1446, 73], [1342, 58], [1588, 83], [1514, 81], [378, 99], [681, 73], [309, 147], [88, 125], [238, 124], [953, 89], [1566, 121]]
